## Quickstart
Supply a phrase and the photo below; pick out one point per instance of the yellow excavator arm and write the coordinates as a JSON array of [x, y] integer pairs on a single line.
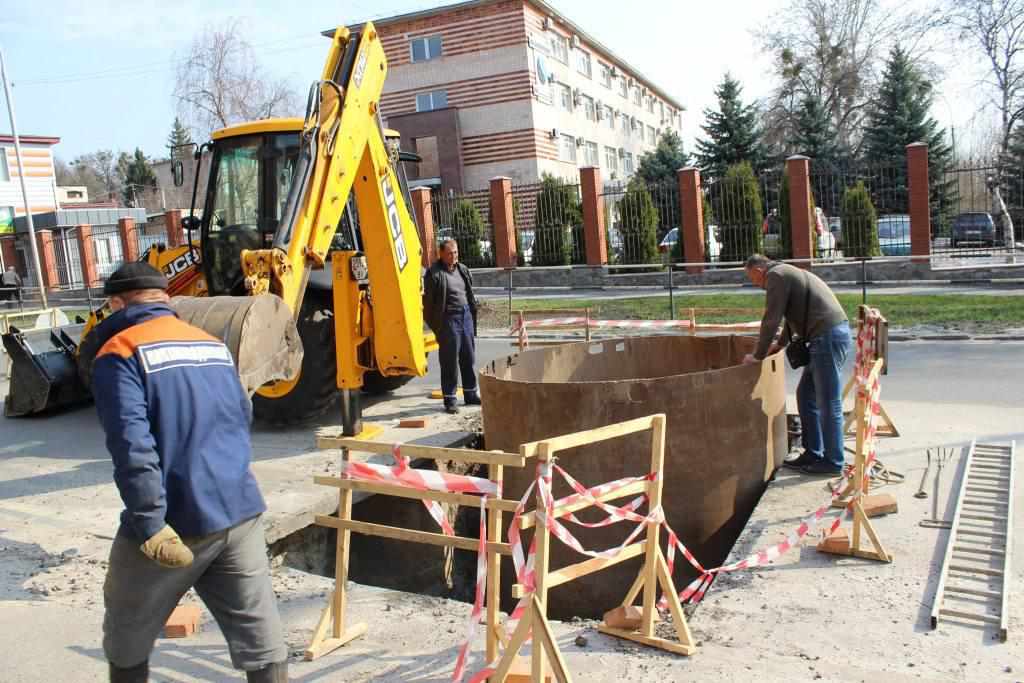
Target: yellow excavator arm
[[343, 152]]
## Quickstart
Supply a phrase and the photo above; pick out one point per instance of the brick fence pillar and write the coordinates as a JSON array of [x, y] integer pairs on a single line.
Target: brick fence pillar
[[175, 231], [920, 210], [506, 249], [129, 240], [87, 255], [691, 209], [423, 212], [800, 228], [48, 259], [594, 238], [10, 252]]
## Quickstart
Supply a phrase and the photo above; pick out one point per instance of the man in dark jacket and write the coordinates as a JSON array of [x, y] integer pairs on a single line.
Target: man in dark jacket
[[811, 312], [10, 285], [449, 308], [177, 427]]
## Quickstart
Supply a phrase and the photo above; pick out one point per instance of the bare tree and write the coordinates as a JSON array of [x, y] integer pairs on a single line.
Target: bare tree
[[996, 27], [830, 51], [220, 83]]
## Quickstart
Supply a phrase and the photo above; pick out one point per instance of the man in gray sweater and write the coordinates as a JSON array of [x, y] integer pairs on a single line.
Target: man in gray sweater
[[811, 313]]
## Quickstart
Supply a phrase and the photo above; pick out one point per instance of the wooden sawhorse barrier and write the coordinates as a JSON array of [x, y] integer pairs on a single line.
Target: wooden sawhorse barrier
[[331, 631], [872, 343], [858, 484]]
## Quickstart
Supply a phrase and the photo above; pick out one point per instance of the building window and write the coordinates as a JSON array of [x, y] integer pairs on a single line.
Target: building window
[[583, 64], [609, 117], [425, 48], [560, 48], [429, 101], [661, 106], [627, 163], [650, 104], [606, 74], [624, 120], [590, 153], [589, 111], [564, 96], [623, 86], [567, 148], [611, 159], [5, 172], [651, 136], [636, 95]]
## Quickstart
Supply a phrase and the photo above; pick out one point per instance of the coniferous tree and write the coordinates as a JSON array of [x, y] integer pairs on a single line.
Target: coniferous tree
[[815, 135], [658, 169], [738, 211], [178, 137], [900, 116], [1012, 175], [137, 177], [732, 133], [638, 221]]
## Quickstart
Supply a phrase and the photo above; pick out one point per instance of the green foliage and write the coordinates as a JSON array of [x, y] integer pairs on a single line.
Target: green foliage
[[638, 221], [468, 230], [678, 251], [732, 133], [739, 213], [661, 164], [559, 221], [1012, 174], [860, 223], [178, 136], [815, 137], [899, 117], [137, 177]]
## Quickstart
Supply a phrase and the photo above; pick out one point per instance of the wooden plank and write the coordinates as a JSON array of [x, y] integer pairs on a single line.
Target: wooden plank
[[331, 644], [342, 545], [542, 630], [661, 643], [414, 451], [668, 588], [497, 475], [515, 644], [542, 540], [650, 570], [528, 520], [567, 441], [580, 569], [634, 590], [406, 492], [411, 535]]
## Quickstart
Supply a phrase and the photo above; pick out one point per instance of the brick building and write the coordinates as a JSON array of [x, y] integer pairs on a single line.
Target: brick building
[[513, 88]]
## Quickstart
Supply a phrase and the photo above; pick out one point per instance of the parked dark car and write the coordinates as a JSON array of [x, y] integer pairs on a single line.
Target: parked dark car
[[973, 228]]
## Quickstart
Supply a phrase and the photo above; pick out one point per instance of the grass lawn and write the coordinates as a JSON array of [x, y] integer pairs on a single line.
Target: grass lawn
[[954, 311]]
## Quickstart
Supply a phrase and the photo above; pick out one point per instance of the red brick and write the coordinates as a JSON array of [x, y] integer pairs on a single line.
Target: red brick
[[838, 542], [129, 239], [920, 210], [421, 206], [414, 423], [183, 622], [691, 208], [503, 220], [879, 504], [522, 669], [798, 168], [593, 216]]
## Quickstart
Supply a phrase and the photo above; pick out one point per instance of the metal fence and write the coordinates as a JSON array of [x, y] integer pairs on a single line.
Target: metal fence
[[643, 222], [736, 225], [549, 223], [886, 187], [466, 219], [145, 241], [67, 259], [971, 218], [107, 250]]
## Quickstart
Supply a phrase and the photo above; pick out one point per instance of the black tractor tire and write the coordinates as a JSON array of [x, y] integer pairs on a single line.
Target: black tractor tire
[[376, 384], [317, 390]]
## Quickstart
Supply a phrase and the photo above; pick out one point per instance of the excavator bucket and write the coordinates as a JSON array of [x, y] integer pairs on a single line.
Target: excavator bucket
[[44, 373], [50, 371]]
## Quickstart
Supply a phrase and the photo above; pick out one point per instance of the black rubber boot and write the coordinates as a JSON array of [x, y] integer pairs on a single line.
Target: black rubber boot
[[135, 674], [271, 673]]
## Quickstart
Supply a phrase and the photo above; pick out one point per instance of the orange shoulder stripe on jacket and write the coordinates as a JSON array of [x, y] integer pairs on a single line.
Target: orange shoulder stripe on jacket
[[166, 328]]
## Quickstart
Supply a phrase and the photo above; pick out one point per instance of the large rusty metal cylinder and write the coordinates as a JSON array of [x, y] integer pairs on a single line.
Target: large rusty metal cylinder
[[726, 435]]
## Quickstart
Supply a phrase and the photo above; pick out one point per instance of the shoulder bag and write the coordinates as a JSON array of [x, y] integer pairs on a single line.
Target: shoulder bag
[[798, 352]]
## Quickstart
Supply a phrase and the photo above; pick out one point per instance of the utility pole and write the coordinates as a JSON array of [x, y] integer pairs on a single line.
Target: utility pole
[[21, 177]]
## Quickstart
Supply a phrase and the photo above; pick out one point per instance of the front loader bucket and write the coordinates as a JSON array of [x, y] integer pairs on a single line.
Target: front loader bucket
[[44, 372], [259, 331]]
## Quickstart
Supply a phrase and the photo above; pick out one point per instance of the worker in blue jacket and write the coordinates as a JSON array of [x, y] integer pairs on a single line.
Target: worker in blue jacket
[[177, 427]]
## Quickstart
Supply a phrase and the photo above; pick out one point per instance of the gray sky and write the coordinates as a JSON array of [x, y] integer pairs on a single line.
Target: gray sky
[[100, 74]]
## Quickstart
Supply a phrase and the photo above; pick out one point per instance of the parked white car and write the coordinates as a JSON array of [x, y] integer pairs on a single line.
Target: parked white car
[[714, 247]]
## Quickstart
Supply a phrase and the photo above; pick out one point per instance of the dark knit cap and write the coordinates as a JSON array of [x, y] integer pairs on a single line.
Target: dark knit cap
[[134, 275]]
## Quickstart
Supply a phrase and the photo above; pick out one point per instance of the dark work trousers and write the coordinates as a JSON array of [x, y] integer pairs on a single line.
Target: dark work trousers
[[458, 353]]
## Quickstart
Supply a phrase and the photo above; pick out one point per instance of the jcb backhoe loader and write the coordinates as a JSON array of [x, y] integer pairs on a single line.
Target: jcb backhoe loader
[[314, 211]]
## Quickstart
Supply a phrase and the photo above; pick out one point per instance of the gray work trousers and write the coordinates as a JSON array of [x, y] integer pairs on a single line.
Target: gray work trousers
[[231, 575]]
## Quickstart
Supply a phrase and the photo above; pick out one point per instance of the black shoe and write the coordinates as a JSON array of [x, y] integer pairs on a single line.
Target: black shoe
[[799, 462], [472, 399], [451, 408], [822, 469], [136, 674]]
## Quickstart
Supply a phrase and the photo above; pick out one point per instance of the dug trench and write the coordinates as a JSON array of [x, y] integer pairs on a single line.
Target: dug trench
[[722, 448]]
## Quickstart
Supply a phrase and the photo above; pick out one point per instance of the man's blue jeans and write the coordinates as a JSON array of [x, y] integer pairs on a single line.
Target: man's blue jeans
[[819, 395]]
